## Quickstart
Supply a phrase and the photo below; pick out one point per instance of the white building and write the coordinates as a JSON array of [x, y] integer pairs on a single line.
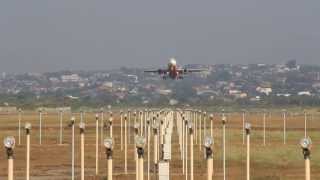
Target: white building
[[304, 93], [70, 78], [264, 90]]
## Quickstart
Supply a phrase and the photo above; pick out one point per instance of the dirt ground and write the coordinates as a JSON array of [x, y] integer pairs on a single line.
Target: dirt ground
[[274, 161]]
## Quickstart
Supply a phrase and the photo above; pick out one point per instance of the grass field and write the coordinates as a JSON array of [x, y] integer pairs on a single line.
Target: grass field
[[273, 161]]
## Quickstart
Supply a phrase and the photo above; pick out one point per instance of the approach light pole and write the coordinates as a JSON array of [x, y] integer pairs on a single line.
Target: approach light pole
[[9, 143], [306, 144], [108, 144], [208, 142], [28, 129], [248, 129]]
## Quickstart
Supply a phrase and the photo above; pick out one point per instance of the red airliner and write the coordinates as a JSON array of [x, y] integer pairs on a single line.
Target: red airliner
[[173, 72]]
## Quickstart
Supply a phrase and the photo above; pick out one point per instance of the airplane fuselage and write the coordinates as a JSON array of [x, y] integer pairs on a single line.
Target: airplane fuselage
[[172, 71]]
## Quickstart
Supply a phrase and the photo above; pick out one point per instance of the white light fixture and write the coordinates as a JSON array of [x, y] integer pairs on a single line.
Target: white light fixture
[[208, 142], [247, 126], [82, 125], [27, 126], [108, 143], [306, 143], [140, 141], [9, 142]]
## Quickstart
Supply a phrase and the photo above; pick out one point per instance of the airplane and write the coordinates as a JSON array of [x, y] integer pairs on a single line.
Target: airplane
[[72, 97], [173, 71]]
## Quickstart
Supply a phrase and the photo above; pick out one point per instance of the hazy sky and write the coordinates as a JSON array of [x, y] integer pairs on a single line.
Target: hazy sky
[[40, 35]]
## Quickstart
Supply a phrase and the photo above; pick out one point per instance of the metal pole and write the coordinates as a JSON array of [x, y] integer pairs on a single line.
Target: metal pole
[[144, 121], [61, 116], [191, 153], [183, 144], [9, 144], [97, 144], [196, 126], [101, 125], [208, 142], [72, 158], [40, 126], [136, 152], [19, 125], [121, 126], [108, 143], [155, 149], [211, 125], [305, 124], [148, 124], [224, 145], [307, 164], [28, 128], [82, 126], [81, 116], [248, 126], [129, 127], [10, 168], [186, 148], [306, 146], [110, 124], [243, 129], [140, 159], [284, 127], [204, 124], [264, 129], [200, 129], [110, 168], [209, 168], [141, 123], [125, 145]]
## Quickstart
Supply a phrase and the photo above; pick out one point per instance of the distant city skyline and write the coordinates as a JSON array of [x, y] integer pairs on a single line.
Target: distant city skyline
[[47, 36]]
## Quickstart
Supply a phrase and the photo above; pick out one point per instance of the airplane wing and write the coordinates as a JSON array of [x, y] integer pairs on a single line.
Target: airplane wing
[[159, 71], [196, 70], [184, 71]]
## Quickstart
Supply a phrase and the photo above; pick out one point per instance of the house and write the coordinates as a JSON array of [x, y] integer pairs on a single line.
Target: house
[[304, 93], [264, 90], [70, 78]]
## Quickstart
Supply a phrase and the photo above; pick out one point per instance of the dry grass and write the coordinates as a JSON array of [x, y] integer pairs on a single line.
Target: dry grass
[[273, 161]]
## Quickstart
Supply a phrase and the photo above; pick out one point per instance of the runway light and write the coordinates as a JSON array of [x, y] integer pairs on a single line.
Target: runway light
[[82, 125], [108, 143], [140, 142], [156, 125], [190, 125], [27, 126], [136, 125], [247, 126], [306, 143], [208, 142], [9, 142]]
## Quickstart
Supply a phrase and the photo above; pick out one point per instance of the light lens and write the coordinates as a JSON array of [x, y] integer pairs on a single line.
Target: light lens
[[208, 141], [82, 125], [140, 141], [190, 125], [305, 143], [108, 143], [248, 126], [9, 142], [136, 125], [27, 126]]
